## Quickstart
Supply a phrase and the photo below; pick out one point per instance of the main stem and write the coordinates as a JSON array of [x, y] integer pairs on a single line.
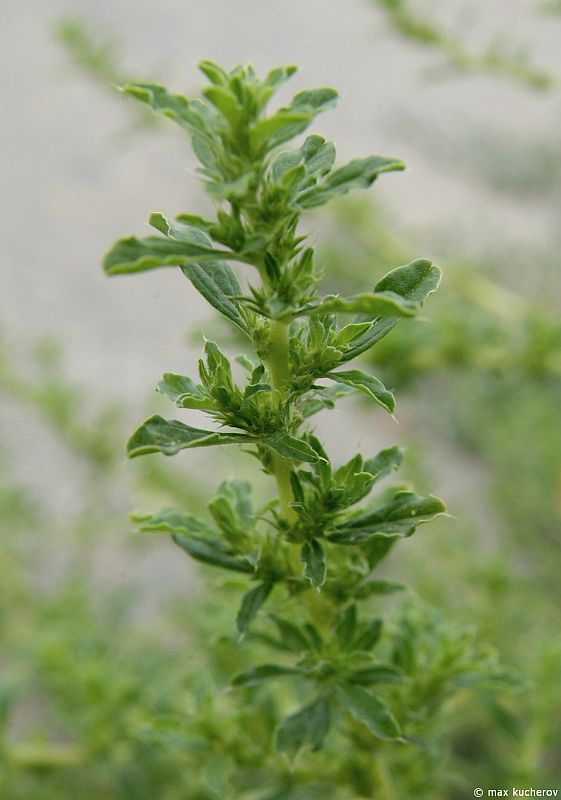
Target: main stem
[[279, 362]]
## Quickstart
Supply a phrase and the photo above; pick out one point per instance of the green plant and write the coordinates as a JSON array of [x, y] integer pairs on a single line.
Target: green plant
[[417, 26], [310, 552]]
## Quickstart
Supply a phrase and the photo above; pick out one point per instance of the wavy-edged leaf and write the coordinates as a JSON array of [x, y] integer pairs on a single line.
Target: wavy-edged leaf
[[324, 397], [174, 106], [399, 518], [217, 283], [385, 462], [292, 120], [184, 392], [131, 255], [212, 552], [290, 447], [371, 711], [357, 174], [313, 557], [309, 726], [316, 155], [171, 520], [368, 385], [159, 435], [413, 282], [251, 603], [257, 675], [375, 304]]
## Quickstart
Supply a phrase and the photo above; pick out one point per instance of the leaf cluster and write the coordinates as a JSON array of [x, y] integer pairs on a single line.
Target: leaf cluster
[[312, 550]]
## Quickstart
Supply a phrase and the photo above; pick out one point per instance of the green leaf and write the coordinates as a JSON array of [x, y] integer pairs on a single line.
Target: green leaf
[[170, 520], [213, 72], [376, 304], [316, 155], [251, 603], [158, 435], [413, 282], [385, 462], [218, 284], [309, 726], [210, 552], [195, 537], [184, 392], [371, 711], [161, 101], [346, 627], [357, 174], [291, 635], [313, 556], [369, 635], [399, 517], [366, 384], [256, 675], [133, 255], [376, 673], [290, 447], [292, 120], [378, 587]]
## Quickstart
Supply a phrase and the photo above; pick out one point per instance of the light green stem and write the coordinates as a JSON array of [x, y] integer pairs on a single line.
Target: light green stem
[[279, 362]]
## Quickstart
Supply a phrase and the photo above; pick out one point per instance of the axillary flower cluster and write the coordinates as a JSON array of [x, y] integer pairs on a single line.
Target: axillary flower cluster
[[309, 554]]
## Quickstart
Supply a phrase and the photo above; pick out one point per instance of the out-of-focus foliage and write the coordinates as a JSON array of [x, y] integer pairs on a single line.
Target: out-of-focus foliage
[[417, 24], [102, 697]]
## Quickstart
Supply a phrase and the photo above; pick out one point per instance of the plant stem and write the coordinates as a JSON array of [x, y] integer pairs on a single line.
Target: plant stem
[[384, 779], [279, 362]]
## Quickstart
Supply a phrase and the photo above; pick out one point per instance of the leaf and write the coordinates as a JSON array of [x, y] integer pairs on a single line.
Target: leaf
[[158, 435], [291, 635], [251, 603], [292, 120], [376, 673], [195, 537], [170, 520], [366, 384], [256, 675], [213, 72], [376, 304], [413, 282], [131, 255], [385, 462], [324, 397], [161, 101], [313, 556], [369, 635], [290, 447], [209, 553], [184, 392], [218, 284], [371, 711], [378, 587], [316, 155], [346, 626], [309, 726], [399, 517], [357, 174]]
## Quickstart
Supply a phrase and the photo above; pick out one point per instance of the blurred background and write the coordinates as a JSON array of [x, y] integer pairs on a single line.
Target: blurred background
[[102, 630]]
